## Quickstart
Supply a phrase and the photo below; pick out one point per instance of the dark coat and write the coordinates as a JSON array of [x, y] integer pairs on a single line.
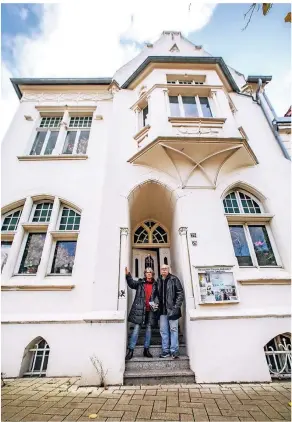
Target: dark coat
[[138, 311], [174, 296]]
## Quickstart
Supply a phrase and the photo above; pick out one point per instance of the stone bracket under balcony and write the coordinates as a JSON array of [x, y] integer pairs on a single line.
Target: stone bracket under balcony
[[195, 162]]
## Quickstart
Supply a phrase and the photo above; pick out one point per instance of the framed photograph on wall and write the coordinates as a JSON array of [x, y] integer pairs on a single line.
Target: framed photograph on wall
[[217, 285]]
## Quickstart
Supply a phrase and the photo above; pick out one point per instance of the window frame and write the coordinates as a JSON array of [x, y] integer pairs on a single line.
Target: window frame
[[57, 237], [33, 357], [198, 105], [48, 130], [76, 140], [11, 232], [238, 199], [44, 201], [21, 252], [60, 216]]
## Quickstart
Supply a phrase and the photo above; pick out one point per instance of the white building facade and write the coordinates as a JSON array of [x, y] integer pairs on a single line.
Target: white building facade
[[177, 155]]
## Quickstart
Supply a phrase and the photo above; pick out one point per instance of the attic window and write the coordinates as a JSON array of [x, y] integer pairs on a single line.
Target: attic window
[[186, 79]]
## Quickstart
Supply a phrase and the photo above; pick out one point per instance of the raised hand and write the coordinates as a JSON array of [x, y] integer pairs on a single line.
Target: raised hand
[[126, 271]]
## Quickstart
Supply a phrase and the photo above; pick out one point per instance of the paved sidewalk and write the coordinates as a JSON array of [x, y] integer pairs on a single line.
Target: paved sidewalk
[[60, 399]]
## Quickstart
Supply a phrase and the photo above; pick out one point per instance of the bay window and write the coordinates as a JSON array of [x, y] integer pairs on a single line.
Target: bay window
[[189, 106]]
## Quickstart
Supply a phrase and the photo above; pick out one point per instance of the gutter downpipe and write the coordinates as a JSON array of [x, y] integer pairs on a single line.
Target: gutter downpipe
[[278, 139]]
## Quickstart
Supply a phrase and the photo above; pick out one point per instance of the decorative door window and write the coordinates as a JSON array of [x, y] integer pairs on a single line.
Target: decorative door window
[[150, 232]]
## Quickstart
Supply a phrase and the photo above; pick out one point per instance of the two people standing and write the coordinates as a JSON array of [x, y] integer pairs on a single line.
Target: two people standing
[[161, 299]]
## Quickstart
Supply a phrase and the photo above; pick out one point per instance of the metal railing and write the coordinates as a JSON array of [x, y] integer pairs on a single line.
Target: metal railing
[[279, 359]]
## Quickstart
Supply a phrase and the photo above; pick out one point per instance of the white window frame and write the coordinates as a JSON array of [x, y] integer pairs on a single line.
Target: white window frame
[[34, 351], [70, 236], [6, 215], [48, 130], [198, 104], [21, 252], [251, 247], [238, 199], [76, 141], [45, 201]]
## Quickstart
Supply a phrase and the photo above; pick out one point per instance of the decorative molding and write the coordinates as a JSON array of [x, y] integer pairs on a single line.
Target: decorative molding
[[183, 230], [66, 96], [141, 132], [265, 281], [242, 316], [124, 231], [29, 118], [73, 110], [35, 227], [246, 218], [183, 130], [65, 234], [114, 87], [7, 236], [30, 287], [51, 157]]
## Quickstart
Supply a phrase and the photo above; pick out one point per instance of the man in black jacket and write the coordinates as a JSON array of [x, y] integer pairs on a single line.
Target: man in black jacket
[[171, 297]]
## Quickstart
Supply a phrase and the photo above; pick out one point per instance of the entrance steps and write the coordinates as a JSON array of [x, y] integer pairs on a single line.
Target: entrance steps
[[150, 371]]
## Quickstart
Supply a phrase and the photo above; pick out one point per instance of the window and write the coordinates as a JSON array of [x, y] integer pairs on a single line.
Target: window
[[145, 115], [42, 212], [32, 253], [5, 246], [189, 106], [251, 240], [46, 137], [39, 356], [150, 232], [278, 356], [77, 138], [10, 222], [70, 219], [64, 257]]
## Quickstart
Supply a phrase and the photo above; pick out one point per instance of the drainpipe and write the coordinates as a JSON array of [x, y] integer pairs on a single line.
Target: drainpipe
[[277, 136]]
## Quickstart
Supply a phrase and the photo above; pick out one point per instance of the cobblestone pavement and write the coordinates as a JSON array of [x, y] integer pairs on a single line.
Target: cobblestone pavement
[[60, 399]]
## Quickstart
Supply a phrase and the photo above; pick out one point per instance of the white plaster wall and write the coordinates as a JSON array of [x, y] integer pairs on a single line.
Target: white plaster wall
[[71, 346], [232, 350]]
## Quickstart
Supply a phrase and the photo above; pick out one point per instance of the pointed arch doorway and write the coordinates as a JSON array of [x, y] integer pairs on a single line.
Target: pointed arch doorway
[[150, 247]]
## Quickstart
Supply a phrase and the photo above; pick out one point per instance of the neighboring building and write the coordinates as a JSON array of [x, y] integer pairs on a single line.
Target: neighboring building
[[178, 155]]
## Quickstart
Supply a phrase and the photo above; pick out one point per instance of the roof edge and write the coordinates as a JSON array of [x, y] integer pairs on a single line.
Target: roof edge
[[255, 78], [183, 59], [57, 81]]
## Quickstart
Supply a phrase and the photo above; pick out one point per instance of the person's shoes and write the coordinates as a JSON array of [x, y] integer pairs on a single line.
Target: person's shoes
[[147, 354], [129, 355], [164, 355], [174, 355]]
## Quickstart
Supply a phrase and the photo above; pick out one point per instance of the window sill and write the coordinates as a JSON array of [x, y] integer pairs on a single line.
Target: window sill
[[7, 236], [52, 157], [248, 218], [63, 234], [27, 287], [142, 133], [206, 120], [35, 227], [265, 281]]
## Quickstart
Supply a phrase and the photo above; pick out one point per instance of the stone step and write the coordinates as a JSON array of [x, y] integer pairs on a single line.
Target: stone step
[[153, 377], [160, 364], [155, 341], [156, 350]]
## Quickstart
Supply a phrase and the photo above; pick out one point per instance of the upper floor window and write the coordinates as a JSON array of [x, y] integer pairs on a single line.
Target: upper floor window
[[77, 136], [70, 219], [252, 239], [46, 136], [150, 232], [189, 106]]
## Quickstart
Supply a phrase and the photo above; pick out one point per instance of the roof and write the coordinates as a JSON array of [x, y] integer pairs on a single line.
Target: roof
[[57, 81], [253, 79], [183, 59]]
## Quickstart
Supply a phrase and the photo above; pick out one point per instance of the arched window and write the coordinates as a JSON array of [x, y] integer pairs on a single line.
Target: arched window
[[249, 229], [278, 356], [35, 359], [150, 232], [239, 202], [42, 212], [70, 219], [11, 220]]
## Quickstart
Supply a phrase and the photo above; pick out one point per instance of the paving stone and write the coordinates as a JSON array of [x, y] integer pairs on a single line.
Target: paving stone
[[113, 419], [142, 402], [111, 413], [58, 411], [129, 416], [24, 412], [172, 401], [192, 405], [128, 407], [57, 418], [109, 404], [159, 406], [258, 416], [36, 417], [165, 416], [270, 412], [212, 410], [144, 412], [202, 400], [74, 415], [186, 410], [240, 413], [286, 416], [224, 418], [186, 417]]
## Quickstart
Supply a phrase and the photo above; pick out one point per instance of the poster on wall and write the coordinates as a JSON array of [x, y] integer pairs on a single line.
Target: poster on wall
[[217, 285]]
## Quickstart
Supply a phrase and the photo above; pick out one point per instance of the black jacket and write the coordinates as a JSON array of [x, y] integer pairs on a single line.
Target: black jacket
[[174, 296], [138, 310]]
